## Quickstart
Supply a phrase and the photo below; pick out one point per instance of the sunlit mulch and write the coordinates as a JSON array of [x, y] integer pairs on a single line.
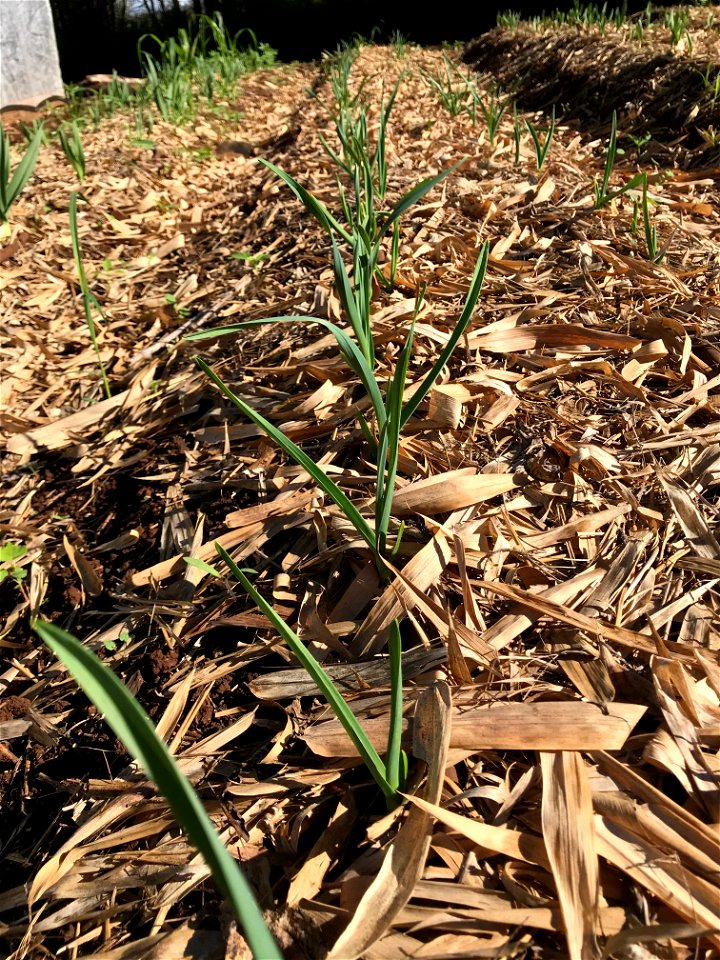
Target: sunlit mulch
[[557, 580]]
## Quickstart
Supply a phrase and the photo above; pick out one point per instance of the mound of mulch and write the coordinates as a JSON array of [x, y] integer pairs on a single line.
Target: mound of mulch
[[655, 87]]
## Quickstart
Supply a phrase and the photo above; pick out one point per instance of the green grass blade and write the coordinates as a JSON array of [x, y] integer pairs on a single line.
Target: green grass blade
[[389, 449], [610, 156], [326, 220], [412, 196], [379, 159], [134, 728], [333, 155], [322, 681], [24, 169], [89, 300], [344, 204], [10, 187], [651, 240], [393, 759], [349, 350], [299, 456], [636, 181], [465, 317], [549, 137], [349, 301]]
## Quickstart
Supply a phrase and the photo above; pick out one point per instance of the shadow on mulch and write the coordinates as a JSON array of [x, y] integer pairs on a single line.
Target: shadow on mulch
[[586, 77]]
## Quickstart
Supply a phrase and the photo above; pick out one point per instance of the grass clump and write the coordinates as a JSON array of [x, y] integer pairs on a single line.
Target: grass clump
[[207, 64]]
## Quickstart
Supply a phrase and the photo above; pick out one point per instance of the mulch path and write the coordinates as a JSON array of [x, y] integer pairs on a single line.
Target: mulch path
[[558, 573]]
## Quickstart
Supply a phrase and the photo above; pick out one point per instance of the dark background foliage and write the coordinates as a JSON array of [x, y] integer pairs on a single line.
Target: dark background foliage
[[97, 36]]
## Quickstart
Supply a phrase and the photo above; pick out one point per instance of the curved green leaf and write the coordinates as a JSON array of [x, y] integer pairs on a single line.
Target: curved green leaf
[[348, 348], [134, 728], [465, 317], [299, 456], [311, 203], [320, 678], [412, 196]]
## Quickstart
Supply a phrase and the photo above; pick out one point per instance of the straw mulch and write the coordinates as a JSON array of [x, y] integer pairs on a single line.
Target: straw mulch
[[557, 580]]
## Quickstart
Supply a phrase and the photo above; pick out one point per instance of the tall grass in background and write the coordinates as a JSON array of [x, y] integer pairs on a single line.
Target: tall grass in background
[[206, 64], [179, 73], [579, 15]]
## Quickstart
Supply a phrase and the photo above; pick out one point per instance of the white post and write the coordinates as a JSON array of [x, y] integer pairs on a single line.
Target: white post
[[29, 64]]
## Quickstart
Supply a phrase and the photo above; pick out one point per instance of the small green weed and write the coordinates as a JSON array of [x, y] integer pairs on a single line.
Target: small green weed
[[29, 130], [711, 136], [492, 108], [639, 141], [181, 312], [9, 553], [253, 260], [400, 43]]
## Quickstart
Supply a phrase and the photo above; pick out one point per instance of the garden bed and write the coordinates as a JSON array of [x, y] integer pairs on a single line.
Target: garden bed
[[555, 583]]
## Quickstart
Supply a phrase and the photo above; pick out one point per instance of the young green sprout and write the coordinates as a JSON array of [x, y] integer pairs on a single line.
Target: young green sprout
[[88, 297], [651, 239], [11, 186], [72, 146], [542, 147], [603, 194]]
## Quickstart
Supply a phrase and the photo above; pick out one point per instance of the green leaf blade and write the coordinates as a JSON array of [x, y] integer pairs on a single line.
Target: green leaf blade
[[133, 727], [319, 677], [299, 456], [476, 283]]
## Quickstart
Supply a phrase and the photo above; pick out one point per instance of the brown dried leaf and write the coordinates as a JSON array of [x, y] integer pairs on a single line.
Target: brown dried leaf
[[504, 726], [568, 831]]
